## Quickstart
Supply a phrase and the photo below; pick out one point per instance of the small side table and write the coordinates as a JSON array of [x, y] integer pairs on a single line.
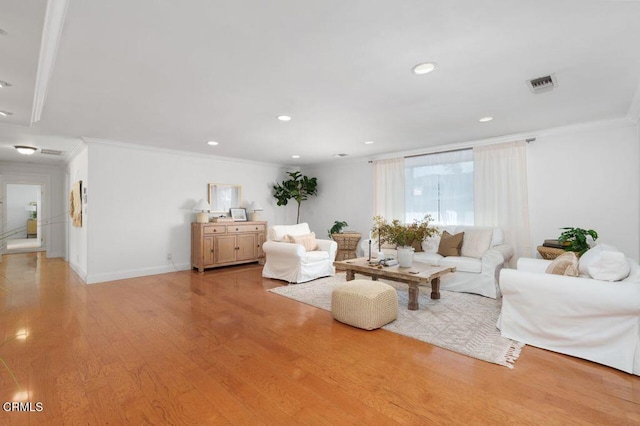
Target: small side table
[[550, 253], [347, 244]]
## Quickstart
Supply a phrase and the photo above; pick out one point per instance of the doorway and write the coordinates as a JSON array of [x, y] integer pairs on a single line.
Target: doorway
[[23, 206]]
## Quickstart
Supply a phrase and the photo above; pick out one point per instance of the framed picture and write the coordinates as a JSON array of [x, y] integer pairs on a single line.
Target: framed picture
[[239, 215]]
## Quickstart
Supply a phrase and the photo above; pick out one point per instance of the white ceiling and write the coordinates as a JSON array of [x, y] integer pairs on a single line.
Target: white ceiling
[[178, 74]]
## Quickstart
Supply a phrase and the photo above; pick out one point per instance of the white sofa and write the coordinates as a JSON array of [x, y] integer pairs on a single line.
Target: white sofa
[[579, 316], [476, 274], [291, 262]]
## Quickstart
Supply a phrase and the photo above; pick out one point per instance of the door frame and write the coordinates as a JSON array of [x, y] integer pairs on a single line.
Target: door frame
[[44, 216]]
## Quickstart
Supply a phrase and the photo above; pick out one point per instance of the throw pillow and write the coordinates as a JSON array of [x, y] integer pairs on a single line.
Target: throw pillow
[[565, 264], [476, 242], [591, 256], [450, 245], [417, 246], [308, 241], [609, 266]]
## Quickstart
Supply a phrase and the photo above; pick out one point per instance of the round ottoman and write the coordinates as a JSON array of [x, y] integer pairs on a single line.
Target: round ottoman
[[364, 304]]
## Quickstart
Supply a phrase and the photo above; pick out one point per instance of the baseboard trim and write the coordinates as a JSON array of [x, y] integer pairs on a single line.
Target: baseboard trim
[[78, 270], [134, 273]]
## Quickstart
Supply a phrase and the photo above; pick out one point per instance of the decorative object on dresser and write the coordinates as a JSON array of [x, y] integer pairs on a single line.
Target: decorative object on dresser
[[203, 208], [254, 211], [238, 214], [222, 244]]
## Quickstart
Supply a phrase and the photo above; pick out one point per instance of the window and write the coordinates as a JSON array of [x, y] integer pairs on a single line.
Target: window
[[440, 185]]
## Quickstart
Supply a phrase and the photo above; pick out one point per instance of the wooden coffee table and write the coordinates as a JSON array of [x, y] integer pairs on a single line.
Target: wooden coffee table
[[419, 274]]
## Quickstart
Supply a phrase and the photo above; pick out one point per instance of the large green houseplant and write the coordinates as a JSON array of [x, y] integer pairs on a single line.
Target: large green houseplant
[[575, 239], [298, 188]]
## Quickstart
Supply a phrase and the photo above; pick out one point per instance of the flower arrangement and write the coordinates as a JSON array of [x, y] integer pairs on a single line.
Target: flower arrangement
[[400, 234]]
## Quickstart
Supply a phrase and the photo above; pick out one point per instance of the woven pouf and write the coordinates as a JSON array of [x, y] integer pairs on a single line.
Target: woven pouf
[[364, 304]]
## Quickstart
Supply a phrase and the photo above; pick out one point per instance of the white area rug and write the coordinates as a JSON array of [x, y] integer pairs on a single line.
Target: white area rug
[[460, 322]]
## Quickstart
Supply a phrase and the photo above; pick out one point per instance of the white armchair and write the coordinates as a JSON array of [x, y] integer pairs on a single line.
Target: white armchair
[[578, 316], [291, 262]]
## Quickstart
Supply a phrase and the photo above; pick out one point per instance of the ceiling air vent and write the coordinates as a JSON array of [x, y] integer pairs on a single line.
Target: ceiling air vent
[[542, 84], [50, 152]]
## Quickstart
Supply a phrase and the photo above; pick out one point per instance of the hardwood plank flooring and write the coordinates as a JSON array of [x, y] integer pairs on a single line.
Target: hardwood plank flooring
[[218, 348]]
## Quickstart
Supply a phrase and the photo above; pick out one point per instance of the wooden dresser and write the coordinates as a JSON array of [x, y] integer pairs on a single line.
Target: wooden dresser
[[32, 228], [226, 243]]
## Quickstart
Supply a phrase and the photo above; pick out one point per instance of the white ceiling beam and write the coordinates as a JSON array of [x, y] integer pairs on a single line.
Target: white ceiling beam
[[51, 32]]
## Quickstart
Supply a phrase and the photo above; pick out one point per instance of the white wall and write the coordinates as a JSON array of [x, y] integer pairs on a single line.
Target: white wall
[[77, 255], [345, 193], [18, 197], [52, 215], [587, 177], [581, 176], [140, 203]]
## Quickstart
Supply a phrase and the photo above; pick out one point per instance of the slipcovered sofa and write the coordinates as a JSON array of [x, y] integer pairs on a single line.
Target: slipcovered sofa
[[593, 319], [292, 262], [483, 255]]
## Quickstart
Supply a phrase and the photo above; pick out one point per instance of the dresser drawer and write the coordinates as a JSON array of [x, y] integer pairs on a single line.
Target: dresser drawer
[[234, 229], [214, 229]]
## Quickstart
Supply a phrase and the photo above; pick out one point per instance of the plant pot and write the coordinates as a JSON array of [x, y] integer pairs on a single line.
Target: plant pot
[[405, 257]]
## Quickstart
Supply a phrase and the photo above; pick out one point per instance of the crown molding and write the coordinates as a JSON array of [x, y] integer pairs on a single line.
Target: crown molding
[[130, 145], [51, 32], [553, 131]]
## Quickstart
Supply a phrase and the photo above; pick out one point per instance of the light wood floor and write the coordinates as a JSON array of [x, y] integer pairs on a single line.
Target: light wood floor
[[217, 348]]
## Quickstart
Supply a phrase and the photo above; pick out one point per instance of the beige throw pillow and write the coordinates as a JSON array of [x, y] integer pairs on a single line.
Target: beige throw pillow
[[450, 245], [565, 264], [308, 241], [476, 242]]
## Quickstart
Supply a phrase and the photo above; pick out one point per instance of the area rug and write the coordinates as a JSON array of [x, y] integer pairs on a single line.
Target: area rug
[[460, 322]]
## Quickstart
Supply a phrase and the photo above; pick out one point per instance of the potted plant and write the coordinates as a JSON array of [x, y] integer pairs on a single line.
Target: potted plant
[[298, 188], [337, 227], [575, 239], [403, 235]]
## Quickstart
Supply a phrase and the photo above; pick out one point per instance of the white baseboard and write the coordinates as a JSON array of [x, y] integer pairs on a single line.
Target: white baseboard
[[133, 273], [81, 272]]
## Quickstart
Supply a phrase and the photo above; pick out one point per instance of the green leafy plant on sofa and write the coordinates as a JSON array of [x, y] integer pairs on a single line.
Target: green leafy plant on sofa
[[575, 239], [298, 188]]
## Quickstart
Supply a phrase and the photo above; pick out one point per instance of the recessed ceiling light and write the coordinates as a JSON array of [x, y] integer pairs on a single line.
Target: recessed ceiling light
[[295, 156], [26, 150], [340, 155], [424, 68], [212, 143], [284, 118], [369, 142], [5, 113], [485, 119], [4, 84]]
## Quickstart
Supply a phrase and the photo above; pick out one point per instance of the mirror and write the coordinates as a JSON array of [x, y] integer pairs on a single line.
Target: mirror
[[223, 197]]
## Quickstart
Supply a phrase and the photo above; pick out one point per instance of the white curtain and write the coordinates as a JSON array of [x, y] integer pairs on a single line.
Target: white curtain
[[388, 188], [500, 193]]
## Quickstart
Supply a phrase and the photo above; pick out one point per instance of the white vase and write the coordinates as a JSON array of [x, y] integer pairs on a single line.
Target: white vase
[[405, 257]]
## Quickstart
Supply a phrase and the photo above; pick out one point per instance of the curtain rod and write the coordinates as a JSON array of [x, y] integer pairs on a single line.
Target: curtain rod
[[527, 140]]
